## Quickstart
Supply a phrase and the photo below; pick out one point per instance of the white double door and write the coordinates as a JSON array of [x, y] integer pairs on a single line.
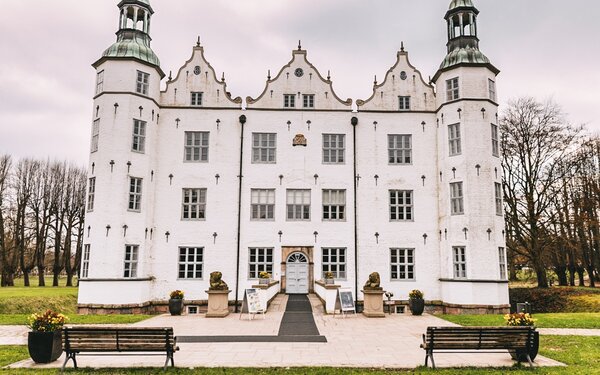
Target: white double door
[[297, 278]]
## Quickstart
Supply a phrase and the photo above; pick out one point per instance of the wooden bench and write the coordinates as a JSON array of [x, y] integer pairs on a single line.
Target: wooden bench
[[472, 339], [102, 340]]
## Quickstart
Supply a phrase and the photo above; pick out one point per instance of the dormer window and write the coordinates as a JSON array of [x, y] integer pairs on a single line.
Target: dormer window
[[404, 103], [289, 101], [142, 83], [452, 90], [196, 99], [308, 101]]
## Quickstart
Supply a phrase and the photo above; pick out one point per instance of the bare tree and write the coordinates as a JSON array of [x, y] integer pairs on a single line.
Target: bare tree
[[535, 136], [5, 169]]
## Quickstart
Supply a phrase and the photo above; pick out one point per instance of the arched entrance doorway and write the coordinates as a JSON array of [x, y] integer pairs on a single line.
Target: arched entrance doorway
[[296, 274]]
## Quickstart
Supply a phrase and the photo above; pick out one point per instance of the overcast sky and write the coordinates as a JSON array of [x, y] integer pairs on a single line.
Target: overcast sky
[[47, 47]]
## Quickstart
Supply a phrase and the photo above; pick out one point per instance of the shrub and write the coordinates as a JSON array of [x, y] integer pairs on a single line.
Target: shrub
[[557, 299], [176, 294], [49, 321]]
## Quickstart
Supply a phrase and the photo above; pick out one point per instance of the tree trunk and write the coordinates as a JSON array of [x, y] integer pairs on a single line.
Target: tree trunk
[[580, 273], [561, 273]]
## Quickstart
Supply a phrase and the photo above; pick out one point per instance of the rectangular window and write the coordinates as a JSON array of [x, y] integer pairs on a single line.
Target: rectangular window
[[308, 101], [502, 263], [262, 204], [401, 205], [85, 261], [135, 193], [264, 147], [196, 146], [298, 204], [334, 148], [289, 101], [459, 260], [131, 261], [404, 103], [495, 147], [260, 260], [193, 206], [452, 91], [139, 136], [142, 83], [334, 205], [91, 193], [492, 88], [498, 198], [99, 82], [190, 262], [456, 198], [95, 135], [196, 99], [454, 139], [400, 149], [402, 264], [334, 260]]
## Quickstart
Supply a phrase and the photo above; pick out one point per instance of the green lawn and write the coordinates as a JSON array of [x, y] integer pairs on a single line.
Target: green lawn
[[17, 302], [551, 320], [581, 354]]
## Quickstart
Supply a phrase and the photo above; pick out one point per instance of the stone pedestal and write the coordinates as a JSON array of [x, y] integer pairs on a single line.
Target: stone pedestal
[[373, 303], [218, 303]]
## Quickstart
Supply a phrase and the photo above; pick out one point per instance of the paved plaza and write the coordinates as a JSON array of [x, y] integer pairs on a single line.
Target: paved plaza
[[352, 341]]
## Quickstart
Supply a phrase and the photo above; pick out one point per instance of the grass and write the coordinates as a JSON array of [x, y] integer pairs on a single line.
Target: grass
[[550, 320], [20, 319], [581, 354]]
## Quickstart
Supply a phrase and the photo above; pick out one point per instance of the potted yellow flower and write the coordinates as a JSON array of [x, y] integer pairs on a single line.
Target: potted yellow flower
[[328, 277], [176, 302], [44, 342], [523, 320], [416, 303], [264, 277]]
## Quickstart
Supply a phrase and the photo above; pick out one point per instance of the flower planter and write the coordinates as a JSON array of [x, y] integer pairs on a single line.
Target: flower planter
[[44, 347], [521, 355], [264, 281], [416, 305], [175, 306], [329, 281]]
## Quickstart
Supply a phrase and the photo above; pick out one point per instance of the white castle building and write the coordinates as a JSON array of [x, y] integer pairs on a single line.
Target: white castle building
[[190, 180]]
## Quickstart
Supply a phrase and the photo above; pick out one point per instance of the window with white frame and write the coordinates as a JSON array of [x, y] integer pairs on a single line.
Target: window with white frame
[[193, 206], [99, 82], [135, 194], [298, 204], [400, 149], [262, 204], [334, 205], [190, 262], [131, 261], [196, 99], [492, 89], [454, 144], [334, 148], [289, 100], [495, 144], [404, 103], [85, 261], [95, 135], [498, 198], [259, 260], [459, 260], [502, 262], [138, 143], [452, 89], [91, 193], [143, 80], [456, 198], [308, 101], [196, 146], [402, 264], [334, 261], [264, 147], [401, 205]]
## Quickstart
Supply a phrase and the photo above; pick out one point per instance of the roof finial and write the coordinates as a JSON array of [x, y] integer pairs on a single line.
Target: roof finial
[[402, 46], [223, 77], [328, 75], [198, 42], [170, 77], [375, 82], [299, 45], [269, 74]]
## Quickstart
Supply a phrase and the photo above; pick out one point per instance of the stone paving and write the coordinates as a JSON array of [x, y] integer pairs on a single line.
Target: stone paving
[[352, 341]]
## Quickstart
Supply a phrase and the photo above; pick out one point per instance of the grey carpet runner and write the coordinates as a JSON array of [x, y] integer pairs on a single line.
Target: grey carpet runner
[[297, 325]]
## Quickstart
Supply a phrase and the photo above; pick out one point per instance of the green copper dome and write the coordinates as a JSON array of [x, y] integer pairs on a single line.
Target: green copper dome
[[134, 48], [460, 3], [466, 55]]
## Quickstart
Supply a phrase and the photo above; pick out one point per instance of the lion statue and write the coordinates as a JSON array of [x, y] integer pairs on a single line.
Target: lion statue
[[216, 283], [373, 282]]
